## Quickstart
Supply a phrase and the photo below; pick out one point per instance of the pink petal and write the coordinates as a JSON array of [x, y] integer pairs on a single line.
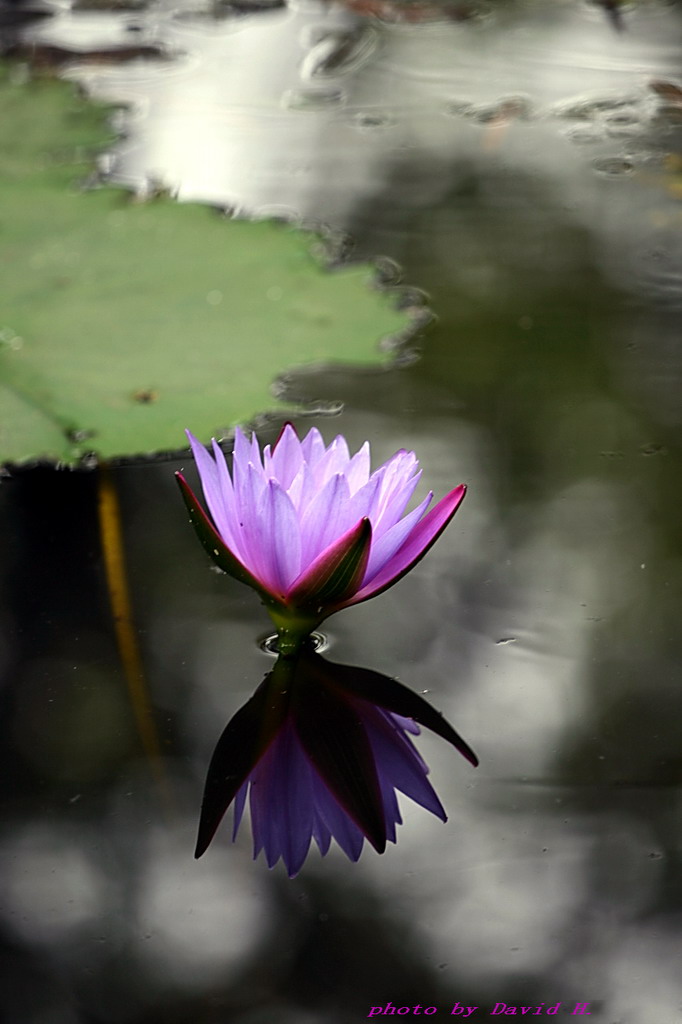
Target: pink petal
[[424, 535]]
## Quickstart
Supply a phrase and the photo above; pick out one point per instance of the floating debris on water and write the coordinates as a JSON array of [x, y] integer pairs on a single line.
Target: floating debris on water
[[339, 53], [591, 107], [370, 121], [313, 99], [668, 91], [145, 396], [613, 166]]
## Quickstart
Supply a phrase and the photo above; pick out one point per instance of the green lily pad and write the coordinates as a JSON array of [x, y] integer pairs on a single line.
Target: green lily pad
[[122, 322]]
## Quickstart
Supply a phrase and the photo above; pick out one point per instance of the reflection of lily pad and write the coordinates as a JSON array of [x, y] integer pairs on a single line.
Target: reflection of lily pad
[[123, 322]]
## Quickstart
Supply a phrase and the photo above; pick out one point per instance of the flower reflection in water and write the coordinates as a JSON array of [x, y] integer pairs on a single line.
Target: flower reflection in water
[[320, 750]]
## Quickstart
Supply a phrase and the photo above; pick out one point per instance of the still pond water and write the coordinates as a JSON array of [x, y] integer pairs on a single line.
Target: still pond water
[[521, 166]]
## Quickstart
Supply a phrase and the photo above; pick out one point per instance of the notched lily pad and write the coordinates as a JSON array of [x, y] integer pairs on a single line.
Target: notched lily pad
[[122, 322]]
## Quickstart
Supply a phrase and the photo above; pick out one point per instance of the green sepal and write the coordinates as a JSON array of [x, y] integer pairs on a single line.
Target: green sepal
[[335, 574], [245, 739], [392, 696], [335, 740], [212, 542]]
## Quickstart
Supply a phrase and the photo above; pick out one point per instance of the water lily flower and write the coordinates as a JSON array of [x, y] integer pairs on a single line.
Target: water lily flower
[[320, 750], [310, 527]]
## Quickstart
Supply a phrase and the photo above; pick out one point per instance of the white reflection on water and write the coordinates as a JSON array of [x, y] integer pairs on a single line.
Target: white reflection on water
[[253, 113], [60, 888], [513, 903], [51, 889], [644, 973], [197, 922]]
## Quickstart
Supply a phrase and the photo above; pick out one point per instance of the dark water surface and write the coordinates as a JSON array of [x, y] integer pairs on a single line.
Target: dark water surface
[[523, 167]]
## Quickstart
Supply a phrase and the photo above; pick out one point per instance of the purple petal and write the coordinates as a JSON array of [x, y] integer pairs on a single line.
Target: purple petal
[[391, 809], [408, 724], [241, 456], [312, 446], [281, 537], [281, 801], [254, 540], [393, 481], [324, 520], [398, 763], [334, 461], [384, 547], [357, 473], [345, 832], [396, 473], [321, 833], [215, 492], [231, 519], [287, 457], [395, 504], [302, 490], [287, 425], [364, 501], [424, 535], [241, 451], [254, 452]]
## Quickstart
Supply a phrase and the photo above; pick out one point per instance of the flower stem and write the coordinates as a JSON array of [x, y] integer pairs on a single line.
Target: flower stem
[[293, 631], [111, 537]]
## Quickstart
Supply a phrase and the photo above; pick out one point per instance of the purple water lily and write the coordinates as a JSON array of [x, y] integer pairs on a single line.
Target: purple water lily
[[310, 527], [320, 750]]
